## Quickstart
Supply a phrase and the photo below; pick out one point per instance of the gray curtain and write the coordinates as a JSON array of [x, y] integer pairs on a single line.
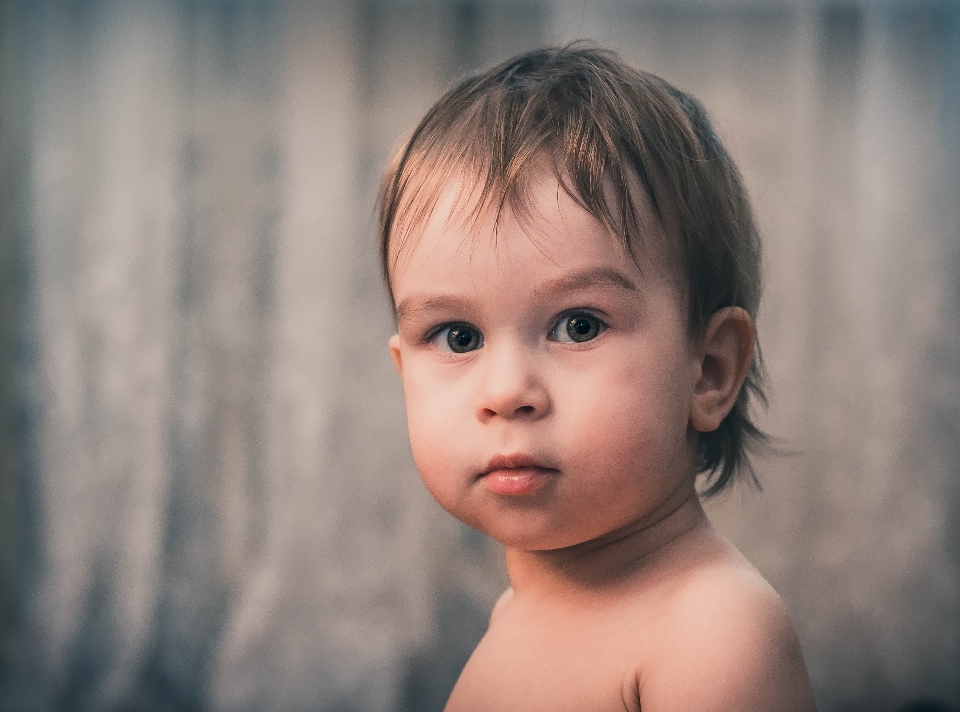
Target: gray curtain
[[206, 496]]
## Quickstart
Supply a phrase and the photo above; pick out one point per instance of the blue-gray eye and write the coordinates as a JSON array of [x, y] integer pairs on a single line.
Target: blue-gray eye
[[577, 328], [462, 339]]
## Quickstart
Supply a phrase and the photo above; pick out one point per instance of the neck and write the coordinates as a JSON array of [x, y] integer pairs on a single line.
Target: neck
[[610, 559]]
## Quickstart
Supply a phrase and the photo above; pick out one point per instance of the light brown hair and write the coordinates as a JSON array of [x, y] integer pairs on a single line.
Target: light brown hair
[[600, 123]]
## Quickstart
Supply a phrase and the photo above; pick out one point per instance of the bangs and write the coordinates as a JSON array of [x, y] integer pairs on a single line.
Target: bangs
[[492, 135]]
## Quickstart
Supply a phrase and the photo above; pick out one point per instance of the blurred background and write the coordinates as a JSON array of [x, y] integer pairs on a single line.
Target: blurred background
[[207, 500]]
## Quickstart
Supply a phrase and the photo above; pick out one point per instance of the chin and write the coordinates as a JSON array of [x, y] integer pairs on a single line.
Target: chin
[[527, 535]]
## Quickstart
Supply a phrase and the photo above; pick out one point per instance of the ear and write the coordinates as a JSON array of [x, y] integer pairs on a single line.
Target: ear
[[726, 354], [395, 353]]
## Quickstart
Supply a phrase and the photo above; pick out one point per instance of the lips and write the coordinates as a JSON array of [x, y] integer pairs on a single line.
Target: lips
[[515, 475]]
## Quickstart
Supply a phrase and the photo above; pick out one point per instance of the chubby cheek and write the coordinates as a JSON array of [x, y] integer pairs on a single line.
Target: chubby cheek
[[436, 440], [633, 435]]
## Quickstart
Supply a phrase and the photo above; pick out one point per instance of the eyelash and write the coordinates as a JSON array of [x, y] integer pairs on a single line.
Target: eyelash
[[433, 337], [595, 324]]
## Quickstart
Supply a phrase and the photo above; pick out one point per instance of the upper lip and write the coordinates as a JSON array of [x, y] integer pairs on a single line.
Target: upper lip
[[512, 462]]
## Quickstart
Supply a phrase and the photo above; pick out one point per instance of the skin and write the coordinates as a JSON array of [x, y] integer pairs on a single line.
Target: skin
[[622, 596]]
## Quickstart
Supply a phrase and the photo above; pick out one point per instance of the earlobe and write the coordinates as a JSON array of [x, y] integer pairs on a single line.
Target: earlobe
[[395, 353], [727, 352]]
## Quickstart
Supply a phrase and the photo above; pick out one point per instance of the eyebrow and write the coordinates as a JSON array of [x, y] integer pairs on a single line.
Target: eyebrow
[[587, 279], [599, 277], [416, 303]]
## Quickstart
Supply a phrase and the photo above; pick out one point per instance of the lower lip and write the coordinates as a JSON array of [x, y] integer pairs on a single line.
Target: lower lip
[[517, 481]]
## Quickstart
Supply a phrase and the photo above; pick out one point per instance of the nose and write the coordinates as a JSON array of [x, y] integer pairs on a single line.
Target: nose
[[512, 386]]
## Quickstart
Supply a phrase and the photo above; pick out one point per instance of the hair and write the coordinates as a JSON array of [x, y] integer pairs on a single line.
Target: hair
[[602, 125]]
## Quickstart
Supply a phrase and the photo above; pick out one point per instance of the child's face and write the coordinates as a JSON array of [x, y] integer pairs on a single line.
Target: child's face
[[548, 377]]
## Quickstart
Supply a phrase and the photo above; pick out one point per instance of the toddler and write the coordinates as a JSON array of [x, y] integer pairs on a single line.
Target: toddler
[[574, 268]]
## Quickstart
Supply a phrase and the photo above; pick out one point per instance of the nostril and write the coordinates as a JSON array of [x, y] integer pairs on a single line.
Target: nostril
[[525, 409]]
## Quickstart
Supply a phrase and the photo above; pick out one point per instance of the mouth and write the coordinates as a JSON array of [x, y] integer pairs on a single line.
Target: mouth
[[515, 475]]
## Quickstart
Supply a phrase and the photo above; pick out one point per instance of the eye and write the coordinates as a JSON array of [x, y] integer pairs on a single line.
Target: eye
[[458, 338], [577, 328]]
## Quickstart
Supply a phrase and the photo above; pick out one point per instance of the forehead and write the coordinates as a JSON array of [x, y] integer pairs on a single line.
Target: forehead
[[540, 223]]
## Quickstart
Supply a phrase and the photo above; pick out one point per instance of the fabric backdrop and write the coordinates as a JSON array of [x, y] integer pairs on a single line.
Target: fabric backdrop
[[207, 500]]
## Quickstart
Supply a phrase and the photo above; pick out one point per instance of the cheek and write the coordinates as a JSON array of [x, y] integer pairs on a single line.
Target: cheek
[[636, 415], [436, 433]]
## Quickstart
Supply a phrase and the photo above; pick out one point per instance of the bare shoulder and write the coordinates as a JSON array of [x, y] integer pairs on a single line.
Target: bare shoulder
[[726, 642], [501, 603]]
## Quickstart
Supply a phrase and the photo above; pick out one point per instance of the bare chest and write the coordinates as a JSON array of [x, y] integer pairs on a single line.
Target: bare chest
[[550, 664]]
